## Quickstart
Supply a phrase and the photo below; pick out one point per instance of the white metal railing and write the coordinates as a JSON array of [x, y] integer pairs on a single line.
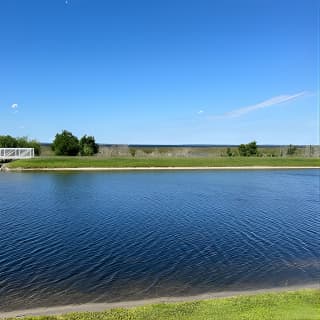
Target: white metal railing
[[16, 153]]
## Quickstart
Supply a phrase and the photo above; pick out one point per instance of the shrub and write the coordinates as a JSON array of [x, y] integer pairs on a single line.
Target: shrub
[[8, 142], [65, 144], [88, 146], [249, 149]]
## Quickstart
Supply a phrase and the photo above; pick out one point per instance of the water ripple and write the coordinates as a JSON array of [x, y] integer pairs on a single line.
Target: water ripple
[[74, 238]]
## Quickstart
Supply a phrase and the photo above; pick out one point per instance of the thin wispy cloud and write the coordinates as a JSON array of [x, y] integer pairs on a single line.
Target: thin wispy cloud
[[264, 104], [200, 111]]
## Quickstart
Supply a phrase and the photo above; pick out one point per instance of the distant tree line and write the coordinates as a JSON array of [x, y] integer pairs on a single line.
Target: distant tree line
[[20, 142], [251, 149], [66, 144]]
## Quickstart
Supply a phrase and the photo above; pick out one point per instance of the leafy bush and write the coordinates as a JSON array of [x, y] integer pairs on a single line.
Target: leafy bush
[[65, 144], [249, 149], [8, 142], [88, 146]]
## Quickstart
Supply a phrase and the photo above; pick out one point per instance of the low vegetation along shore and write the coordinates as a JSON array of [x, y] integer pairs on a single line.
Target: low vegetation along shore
[[90, 162], [302, 304]]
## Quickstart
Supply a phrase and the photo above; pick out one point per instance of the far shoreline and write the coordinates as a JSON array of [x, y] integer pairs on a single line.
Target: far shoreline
[[161, 168], [98, 307]]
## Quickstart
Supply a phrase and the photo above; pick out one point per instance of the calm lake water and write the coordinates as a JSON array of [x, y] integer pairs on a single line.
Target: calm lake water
[[92, 237]]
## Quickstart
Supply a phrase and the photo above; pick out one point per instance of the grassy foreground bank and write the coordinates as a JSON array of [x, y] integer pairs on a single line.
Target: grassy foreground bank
[[303, 304], [92, 162]]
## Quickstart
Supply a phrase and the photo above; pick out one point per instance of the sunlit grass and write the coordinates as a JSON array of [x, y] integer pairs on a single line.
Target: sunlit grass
[[90, 162], [303, 304]]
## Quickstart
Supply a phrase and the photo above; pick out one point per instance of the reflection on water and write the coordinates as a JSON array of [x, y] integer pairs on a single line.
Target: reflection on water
[[92, 237]]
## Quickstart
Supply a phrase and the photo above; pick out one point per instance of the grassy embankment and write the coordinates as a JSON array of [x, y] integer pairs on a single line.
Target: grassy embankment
[[303, 304], [91, 162]]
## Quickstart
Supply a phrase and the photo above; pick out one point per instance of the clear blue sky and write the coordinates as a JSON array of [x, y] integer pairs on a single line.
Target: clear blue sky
[[161, 72]]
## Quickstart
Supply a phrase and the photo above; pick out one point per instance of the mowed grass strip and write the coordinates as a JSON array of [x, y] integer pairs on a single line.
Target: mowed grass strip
[[303, 304], [92, 162]]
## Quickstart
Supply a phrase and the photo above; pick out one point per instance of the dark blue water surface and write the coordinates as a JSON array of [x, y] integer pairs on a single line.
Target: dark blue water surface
[[92, 237]]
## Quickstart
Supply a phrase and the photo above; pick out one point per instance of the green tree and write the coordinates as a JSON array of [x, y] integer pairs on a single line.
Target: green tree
[[88, 146], [249, 149], [22, 142], [252, 148], [65, 144], [8, 142], [243, 150]]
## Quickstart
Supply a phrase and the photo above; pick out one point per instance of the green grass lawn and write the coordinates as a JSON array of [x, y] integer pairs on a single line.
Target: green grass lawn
[[89, 162], [303, 304]]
